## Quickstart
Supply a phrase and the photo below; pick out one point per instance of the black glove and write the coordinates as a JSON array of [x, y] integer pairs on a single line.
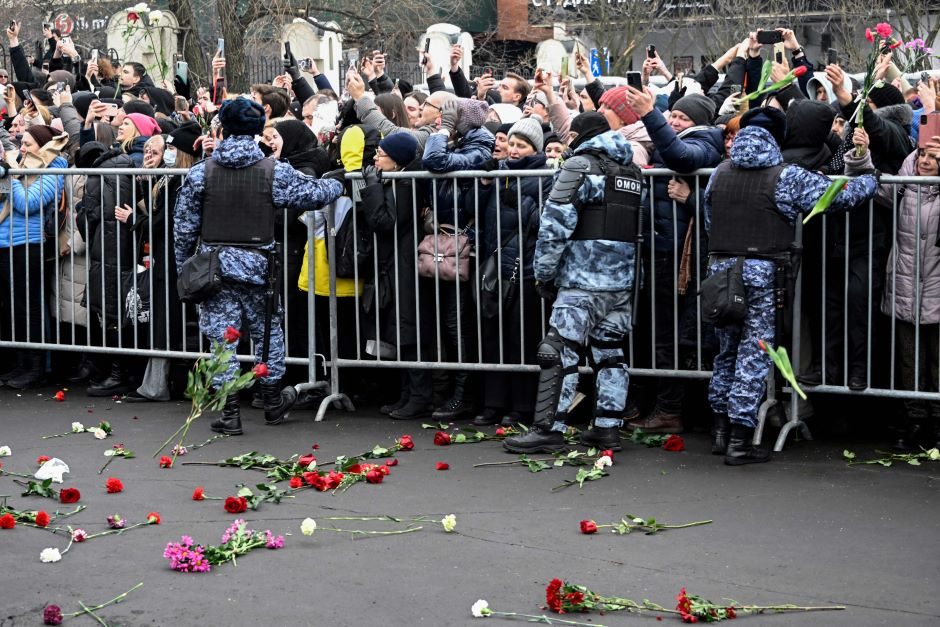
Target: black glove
[[371, 175], [877, 174], [547, 291], [489, 165], [337, 175], [291, 67]]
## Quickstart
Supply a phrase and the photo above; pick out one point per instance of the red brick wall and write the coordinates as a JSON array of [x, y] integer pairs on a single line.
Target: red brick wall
[[512, 22]]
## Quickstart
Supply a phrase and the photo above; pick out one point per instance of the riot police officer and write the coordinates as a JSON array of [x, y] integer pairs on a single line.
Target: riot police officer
[[229, 202], [586, 251]]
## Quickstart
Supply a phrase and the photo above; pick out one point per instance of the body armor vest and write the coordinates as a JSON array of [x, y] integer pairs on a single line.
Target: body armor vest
[[237, 205], [616, 215], [745, 220]]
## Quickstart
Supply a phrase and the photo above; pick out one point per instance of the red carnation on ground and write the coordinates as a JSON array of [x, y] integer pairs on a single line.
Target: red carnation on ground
[[391, 462], [113, 485], [231, 335], [166, 462], [500, 431], [236, 504], [69, 495], [608, 453], [60, 396], [441, 438], [199, 494], [375, 476], [306, 460], [42, 459], [153, 518], [7, 521], [674, 444], [588, 526], [261, 370], [406, 443], [443, 465], [42, 519], [383, 469], [552, 596], [296, 482]]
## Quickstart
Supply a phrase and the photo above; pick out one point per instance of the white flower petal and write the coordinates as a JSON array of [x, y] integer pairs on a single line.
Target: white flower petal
[[480, 609], [77, 427], [50, 555], [308, 526], [5, 451], [449, 522]]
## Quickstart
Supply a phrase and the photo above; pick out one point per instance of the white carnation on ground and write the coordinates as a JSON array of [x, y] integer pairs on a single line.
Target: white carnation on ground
[[308, 526], [78, 427], [50, 555], [5, 451], [603, 462], [480, 609], [449, 522]]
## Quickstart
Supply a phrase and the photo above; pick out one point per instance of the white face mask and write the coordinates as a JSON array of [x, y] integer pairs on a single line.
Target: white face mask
[[169, 157]]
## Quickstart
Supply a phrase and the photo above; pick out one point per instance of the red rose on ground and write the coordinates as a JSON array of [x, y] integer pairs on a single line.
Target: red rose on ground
[[113, 485], [730, 612], [69, 495], [588, 526], [382, 469], [311, 477], [261, 370], [333, 479], [199, 494], [236, 504], [356, 469], [7, 521], [391, 462], [231, 335], [296, 482], [306, 460], [374, 476], [674, 443], [315, 447], [153, 518], [406, 443], [441, 438], [443, 465], [609, 453], [42, 519], [500, 431], [166, 462], [60, 396], [319, 483]]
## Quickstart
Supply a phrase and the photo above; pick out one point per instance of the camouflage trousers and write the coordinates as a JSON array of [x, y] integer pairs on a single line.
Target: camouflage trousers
[[237, 304], [740, 370], [600, 319]]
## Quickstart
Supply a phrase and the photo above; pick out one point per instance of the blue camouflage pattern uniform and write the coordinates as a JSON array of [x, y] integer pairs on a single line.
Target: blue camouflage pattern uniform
[[244, 271], [741, 367], [595, 281]]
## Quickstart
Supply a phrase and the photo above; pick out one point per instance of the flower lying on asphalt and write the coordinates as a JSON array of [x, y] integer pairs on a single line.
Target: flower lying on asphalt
[[480, 609], [101, 431], [308, 526], [631, 523], [441, 438], [236, 504], [449, 523], [42, 459], [199, 494], [60, 396], [113, 485], [166, 462], [187, 557], [442, 466], [116, 522], [50, 555], [674, 443], [79, 535], [52, 614], [7, 521], [69, 495], [603, 462], [5, 451], [78, 427]]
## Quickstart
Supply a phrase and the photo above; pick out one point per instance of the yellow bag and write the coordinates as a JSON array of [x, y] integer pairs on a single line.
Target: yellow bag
[[321, 284]]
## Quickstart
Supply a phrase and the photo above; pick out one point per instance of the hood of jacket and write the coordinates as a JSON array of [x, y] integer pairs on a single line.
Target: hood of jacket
[[808, 124], [899, 114], [113, 158], [754, 148], [239, 151], [532, 162], [612, 142]]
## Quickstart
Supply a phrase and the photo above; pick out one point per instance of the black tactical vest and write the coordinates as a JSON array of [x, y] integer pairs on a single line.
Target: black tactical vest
[[745, 220], [237, 204], [615, 217]]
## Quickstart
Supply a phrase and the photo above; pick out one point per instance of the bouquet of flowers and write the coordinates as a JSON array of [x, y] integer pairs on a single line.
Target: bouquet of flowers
[[881, 43], [144, 22], [187, 557]]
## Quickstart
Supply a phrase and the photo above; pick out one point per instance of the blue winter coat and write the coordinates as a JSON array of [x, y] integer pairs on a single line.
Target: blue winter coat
[[30, 202], [291, 189], [797, 192], [468, 154], [596, 265], [504, 201], [692, 149]]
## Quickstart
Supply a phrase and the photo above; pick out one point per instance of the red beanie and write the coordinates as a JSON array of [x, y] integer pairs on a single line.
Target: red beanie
[[616, 101]]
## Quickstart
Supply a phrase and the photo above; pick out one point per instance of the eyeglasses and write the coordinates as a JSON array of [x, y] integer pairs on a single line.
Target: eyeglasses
[[380, 153], [428, 104]]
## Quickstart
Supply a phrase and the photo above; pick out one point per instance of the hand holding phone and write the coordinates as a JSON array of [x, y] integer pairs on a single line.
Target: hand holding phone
[[832, 57], [769, 37], [221, 49], [564, 67], [651, 51], [635, 80]]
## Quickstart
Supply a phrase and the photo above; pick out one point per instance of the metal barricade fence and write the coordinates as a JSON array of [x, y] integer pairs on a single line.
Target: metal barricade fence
[[393, 317]]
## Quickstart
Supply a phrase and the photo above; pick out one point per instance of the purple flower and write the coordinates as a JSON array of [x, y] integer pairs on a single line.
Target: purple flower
[[272, 541], [52, 615], [116, 522], [186, 558]]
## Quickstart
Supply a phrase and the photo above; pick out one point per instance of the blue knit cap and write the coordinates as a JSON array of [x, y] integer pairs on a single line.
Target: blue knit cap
[[242, 116], [401, 147]]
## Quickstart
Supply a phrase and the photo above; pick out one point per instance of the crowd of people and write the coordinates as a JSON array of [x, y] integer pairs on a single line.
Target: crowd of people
[[75, 252]]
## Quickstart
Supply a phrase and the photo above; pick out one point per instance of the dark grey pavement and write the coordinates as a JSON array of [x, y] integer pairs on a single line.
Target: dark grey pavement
[[804, 529]]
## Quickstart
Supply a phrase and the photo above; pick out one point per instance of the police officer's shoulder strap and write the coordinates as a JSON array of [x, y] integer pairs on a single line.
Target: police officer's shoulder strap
[[569, 180]]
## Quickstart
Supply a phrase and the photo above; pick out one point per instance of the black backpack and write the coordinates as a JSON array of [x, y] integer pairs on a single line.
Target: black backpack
[[354, 246]]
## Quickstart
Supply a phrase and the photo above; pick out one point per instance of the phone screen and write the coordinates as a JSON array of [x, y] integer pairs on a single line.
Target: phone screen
[[564, 67], [833, 56], [221, 48]]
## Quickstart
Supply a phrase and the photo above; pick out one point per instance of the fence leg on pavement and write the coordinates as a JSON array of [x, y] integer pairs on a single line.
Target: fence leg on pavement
[[312, 382], [793, 420], [766, 406], [335, 395]]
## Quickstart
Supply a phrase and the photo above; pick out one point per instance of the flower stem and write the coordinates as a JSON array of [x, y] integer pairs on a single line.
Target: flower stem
[[67, 514], [164, 445], [116, 599], [373, 533], [116, 531], [90, 612], [691, 524], [57, 435], [15, 474], [514, 461], [110, 459], [548, 620]]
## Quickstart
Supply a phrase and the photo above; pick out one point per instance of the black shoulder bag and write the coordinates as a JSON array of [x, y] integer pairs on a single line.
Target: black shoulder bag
[[724, 300]]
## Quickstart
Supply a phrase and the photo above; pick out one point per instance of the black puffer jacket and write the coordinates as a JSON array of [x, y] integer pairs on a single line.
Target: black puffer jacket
[[111, 242]]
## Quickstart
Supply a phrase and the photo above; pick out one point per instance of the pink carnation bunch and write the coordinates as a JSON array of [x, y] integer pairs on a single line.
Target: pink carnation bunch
[[186, 557]]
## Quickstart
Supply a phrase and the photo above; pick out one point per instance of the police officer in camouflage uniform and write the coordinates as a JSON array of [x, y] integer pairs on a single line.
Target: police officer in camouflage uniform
[[751, 204], [586, 250], [230, 201]]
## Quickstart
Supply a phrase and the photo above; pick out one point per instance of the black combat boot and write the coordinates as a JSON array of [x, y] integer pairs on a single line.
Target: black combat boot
[[539, 439], [720, 443], [32, 373], [277, 402], [740, 448], [230, 422], [17, 369], [602, 438], [114, 384]]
